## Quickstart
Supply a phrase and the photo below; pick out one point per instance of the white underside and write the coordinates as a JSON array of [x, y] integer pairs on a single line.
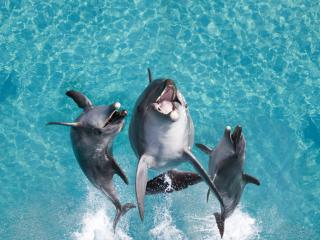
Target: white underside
[[166, 140]]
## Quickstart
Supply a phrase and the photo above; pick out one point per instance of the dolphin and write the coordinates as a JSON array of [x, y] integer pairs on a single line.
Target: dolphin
[[226, 162], [161, 133], [92, 134], [226, 170]]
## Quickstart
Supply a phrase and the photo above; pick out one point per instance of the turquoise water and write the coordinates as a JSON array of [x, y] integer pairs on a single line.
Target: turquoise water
[[240, 62]]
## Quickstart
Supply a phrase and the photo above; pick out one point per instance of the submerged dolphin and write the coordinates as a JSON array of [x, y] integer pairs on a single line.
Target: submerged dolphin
[[91, 137], [161, 134], [226, 170]]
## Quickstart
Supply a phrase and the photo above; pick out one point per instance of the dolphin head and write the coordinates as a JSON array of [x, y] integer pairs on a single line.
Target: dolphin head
[[235, 141], [106, 120], [164, 99]]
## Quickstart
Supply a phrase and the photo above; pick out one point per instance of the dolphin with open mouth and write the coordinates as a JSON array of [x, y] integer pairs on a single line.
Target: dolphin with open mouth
[[92, 134], [161, 134]]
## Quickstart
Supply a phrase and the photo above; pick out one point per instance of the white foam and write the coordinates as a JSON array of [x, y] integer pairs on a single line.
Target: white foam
[[239, 226], [168, 180], [165, 229], [95, 223]]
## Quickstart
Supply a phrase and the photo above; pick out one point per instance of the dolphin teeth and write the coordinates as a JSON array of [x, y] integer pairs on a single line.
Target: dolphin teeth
[[116, 115]]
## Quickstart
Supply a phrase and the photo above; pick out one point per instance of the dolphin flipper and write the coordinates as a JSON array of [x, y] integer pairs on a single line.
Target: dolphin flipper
[[81, 100], [249, 179], [204, 148], [196, 164], [118, 170], [68, 124], [141, 182], [172, 181]]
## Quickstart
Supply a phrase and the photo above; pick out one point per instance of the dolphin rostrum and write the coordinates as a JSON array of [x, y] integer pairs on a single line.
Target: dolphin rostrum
[[92, 134], [161, 134]]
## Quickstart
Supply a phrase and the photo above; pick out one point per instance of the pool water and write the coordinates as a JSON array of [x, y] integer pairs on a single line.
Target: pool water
[[236, 62]]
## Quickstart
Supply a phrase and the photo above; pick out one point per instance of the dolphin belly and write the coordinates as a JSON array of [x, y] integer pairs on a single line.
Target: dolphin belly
[[165, 142]]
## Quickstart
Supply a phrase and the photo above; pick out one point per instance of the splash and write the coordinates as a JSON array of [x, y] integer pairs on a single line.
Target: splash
[[165, 229], [95, 223], [168, 181], [239, 226]]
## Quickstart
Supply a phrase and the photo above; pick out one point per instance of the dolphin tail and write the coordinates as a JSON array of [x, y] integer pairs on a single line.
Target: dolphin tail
[[220, 222], [120, 212], [172, 181]]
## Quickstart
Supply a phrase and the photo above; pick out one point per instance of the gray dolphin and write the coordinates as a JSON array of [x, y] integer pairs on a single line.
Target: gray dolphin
[[92, 134], [226, 170], [161, 134]]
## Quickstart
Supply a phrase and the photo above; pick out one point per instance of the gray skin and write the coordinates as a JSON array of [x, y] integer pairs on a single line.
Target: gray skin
[[92, 134], [226, 170], [161, 134]]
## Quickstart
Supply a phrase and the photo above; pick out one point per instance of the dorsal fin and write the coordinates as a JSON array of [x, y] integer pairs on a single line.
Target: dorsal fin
[[80, 99], [149, 75]]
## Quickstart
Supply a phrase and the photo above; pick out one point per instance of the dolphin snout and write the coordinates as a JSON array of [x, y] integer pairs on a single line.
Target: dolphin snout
[[169, 82], [236, 135]]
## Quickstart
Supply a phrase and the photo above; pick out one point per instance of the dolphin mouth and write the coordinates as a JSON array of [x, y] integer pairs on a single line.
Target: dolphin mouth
[[169, 93], [236, 135], [115, 117]]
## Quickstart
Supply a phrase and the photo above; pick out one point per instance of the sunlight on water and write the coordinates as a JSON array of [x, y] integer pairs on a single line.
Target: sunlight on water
[[254, 63]]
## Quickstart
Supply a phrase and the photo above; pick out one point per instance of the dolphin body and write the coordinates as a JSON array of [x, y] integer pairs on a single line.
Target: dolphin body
[[161, 134], [226, 170], [92, 134]]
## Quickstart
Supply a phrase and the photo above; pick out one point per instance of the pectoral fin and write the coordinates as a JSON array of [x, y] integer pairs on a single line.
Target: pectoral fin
[[204, 148], [249, 179], [196, 164], [80, 99], [118, 170], [141, 182], [69, 124]]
